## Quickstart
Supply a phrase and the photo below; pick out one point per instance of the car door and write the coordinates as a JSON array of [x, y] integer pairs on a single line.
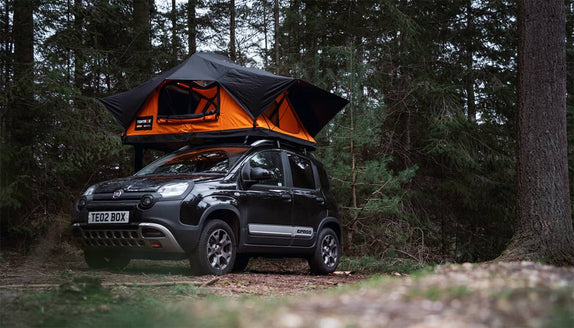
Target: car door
[[308, 200], [266, 205]]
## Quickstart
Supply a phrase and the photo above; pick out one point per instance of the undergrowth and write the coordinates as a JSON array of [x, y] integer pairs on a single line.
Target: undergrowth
[[372, 265]]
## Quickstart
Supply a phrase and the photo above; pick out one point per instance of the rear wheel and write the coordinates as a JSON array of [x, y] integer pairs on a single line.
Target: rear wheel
[[106, 260], [215, 252], [326, 256]]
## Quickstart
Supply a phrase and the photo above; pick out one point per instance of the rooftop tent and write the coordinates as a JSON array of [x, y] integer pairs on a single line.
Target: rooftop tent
[[209, 97]]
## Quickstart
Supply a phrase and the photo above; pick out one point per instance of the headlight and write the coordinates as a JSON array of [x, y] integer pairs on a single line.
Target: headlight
[[89, 191], [173, 189]]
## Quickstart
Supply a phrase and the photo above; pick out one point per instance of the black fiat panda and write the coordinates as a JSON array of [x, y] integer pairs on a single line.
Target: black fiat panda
[[216, 205]]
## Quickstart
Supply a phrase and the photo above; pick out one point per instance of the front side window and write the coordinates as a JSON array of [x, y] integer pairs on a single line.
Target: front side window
[[302, 172], [271, 161]]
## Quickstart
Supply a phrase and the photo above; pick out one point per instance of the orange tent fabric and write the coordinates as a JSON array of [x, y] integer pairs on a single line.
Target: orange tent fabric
[[208, 96], [214, 113]]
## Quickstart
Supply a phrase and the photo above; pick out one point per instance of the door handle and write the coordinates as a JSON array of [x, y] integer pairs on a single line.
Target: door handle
[[286, 197], [320, 200]]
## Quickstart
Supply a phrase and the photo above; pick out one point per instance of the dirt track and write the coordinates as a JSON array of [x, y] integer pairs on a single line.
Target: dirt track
[[518, 294], [263, 276]]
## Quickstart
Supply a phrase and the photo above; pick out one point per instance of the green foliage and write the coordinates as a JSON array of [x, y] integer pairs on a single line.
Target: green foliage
[[370, 265], [431, 119], [432, 180], [435, 293], [85, 302]]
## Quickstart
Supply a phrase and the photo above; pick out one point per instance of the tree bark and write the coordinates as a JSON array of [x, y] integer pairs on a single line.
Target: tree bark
[[174, 43], [20, 113], [543, 226], [232, 49], [18, 119], [277, 37], [142, 40], [469, 83], [23, 40], [191, 27], [265, 53], [79, 60]]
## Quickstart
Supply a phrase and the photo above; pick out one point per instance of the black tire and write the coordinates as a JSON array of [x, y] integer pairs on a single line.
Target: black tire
[[241, 262], [327, 253], [215, 253], [106, 260]]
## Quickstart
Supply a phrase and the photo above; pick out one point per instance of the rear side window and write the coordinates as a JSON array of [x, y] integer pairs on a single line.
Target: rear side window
[[301, 172]]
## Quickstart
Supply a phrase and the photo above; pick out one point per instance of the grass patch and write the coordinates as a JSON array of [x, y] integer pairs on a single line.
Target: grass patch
[[435, 293], [561, 318], [86, 303], [369, 264]]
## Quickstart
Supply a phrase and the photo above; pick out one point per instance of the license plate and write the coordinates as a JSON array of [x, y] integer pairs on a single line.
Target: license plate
[[108, 217]]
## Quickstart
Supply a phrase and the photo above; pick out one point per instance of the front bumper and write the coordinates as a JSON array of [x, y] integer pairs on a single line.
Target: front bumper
[[142, 237], [156, 230]]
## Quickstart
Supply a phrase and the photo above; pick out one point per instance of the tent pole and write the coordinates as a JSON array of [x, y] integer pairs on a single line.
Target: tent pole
[[138, 158]]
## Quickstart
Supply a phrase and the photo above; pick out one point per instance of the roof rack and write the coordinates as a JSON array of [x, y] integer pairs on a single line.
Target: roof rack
[[281, 144]]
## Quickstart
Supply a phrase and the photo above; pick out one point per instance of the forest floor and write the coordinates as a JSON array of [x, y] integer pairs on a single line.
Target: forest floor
[[58, 290]]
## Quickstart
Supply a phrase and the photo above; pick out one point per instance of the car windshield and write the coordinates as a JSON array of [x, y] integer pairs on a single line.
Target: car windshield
[[214, 160]]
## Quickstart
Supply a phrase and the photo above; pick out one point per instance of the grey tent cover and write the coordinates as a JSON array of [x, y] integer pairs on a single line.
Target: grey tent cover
[[253, 89]]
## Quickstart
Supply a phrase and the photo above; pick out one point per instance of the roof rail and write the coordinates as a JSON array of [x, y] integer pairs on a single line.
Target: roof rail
[[262, 142]]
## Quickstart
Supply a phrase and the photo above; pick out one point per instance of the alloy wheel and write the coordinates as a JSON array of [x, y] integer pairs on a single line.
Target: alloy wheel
[[219, 249], [329, 250]]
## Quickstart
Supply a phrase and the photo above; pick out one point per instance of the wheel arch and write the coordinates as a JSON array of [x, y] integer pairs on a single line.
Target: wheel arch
[[332, 223], [225, 213]]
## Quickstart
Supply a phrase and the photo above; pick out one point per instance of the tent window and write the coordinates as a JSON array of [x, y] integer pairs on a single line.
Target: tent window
[[280, 113], [179, 100], [272, 113]]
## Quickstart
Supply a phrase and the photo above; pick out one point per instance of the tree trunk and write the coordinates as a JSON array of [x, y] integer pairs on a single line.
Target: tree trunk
[[191, 27], [142, 41], [265, 54], [6, 68], [79, 73], [20, 114], [174, 43], [277, 38], [232, 49], [23, 40], [18, 128], [471, 97], [543, 226]]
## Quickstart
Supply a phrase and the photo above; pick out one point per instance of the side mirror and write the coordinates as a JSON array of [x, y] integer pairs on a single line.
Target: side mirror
[[251, 176], [259, 173]]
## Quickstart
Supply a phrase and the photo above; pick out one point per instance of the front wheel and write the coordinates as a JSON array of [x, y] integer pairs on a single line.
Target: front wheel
[[326, 256], [215, 252]]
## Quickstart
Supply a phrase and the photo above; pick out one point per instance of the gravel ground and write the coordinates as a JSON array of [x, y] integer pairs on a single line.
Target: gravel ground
[[497, 294], [518, 294]]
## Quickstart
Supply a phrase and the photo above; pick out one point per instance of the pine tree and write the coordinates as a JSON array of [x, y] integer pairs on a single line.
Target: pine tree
[[543, 226]]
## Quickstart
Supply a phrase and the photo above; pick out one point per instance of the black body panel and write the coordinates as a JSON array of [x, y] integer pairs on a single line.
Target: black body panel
[[168, 212]]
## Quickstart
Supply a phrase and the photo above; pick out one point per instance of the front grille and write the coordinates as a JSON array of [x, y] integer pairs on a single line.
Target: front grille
[[113, 238]]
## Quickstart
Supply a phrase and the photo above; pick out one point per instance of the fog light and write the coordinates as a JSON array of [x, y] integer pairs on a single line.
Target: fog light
[[146, 201], [82, 202]]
